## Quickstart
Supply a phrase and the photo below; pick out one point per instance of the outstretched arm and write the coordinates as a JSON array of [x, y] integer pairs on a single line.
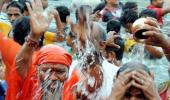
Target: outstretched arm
[[156, 38], [154, 51]]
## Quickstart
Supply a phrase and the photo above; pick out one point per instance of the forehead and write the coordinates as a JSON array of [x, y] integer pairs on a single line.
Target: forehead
[[53, 66], [13, 9], [135, 92]]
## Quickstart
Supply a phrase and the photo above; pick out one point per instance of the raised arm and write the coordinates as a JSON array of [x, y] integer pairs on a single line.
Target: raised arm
[[39, 24], [154, 51], [156, 38]]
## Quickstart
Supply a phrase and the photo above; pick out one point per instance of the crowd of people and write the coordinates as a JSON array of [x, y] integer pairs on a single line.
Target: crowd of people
[[81, 59]]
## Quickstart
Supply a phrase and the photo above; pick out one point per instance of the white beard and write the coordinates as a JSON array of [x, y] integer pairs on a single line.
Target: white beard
[[56, 94]]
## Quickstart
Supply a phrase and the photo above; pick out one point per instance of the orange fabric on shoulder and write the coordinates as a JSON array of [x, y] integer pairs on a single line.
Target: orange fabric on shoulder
[[29, 88], [19, 89], [68, 87], [9, 48]]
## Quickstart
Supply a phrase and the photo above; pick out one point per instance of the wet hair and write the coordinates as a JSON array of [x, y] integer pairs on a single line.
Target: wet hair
[[21, 28], [128, 16], [119, 52], [130, 5], [133, 66], [100, 35], [16, 4], [99, 7], [148, 13], [63, 12], [113, 25], [84, 9]]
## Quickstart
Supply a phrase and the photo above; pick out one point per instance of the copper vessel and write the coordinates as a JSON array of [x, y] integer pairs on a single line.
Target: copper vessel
[[138, 28]]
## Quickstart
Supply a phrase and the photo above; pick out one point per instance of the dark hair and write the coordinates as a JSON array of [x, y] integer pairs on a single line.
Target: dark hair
[[119, 52], [128, 16], [63, 12], [130, 5], [99, 7], [71, 35], [107, 16], [17, 5], [133, 66], [41, 40], [113, 25], [148, 13], [21, 28], [100, 35], [23, 2]]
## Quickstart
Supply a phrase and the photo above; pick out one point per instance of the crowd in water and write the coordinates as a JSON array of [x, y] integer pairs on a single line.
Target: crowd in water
[[82, 59]]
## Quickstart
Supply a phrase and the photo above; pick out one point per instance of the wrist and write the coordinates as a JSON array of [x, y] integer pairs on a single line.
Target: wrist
[[155, 97], [165, 43], [34, 36], [32, 42]]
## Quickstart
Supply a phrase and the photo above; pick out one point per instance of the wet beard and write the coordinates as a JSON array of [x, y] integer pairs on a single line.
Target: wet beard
[[53, 91]]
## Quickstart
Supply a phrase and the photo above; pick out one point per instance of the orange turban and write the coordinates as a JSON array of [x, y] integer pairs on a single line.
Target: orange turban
[[53, 54]]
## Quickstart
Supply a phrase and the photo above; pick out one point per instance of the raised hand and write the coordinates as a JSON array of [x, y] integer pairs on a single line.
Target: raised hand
[[145, 82], [121, 85], [39, 23], [110, 39], [156, 38]]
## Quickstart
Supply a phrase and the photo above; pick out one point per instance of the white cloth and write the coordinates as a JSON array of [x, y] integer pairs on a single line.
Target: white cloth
[[72, 67], [4, 18], [109, 73]]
